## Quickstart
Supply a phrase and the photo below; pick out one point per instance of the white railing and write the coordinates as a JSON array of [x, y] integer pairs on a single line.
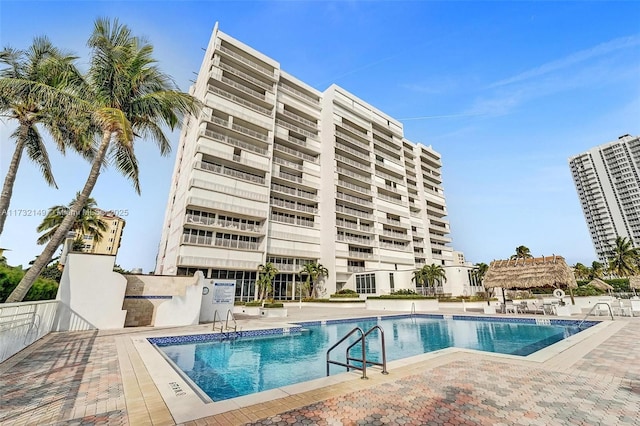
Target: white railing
[[351, 139], [293, 191], [216, 262], [243, 88], [296, 129], [297, 141], [239, 100], [356, 268], [249, 132], [294, 206], [360, 255], [353, 212], [23, 323], [287, 163], [350, 150], [295, 153], [296, 92], [354, 187], [361, 133], [233, 141], [353, 239], [353, 163], [216, 168], [349, 173], [207, 221], [299, 119], [246, 61], [352, 199], [246, 76]]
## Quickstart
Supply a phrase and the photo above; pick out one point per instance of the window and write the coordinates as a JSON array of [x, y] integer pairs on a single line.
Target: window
[[391, 282], [366, 284]]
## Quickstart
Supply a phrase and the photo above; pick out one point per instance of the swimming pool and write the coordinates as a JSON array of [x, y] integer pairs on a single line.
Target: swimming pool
[[268, 359]]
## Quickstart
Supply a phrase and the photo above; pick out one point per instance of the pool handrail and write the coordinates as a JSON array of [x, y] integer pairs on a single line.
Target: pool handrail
[[383, 364], [235, 324], [349, 366], [591, 310]]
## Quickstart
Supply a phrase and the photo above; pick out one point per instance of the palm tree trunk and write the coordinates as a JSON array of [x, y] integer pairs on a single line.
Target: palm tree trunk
[[67, 223], [7, 188]]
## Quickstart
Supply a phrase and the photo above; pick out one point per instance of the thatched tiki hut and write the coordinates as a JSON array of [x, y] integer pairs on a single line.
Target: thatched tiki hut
[[525, 274], [600, 285], [634, 283]]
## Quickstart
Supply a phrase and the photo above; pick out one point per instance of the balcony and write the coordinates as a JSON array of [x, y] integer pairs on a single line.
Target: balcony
[[233, 158], [292, 205], [395, 234], [352, 199], [295, 153], [313, 125], [233, 141], [353, 163], [243, 88], [387, 176], [294, 191], [215, 205], [353, 212], [246, 76], [228, 224], [356, 268], [217, 263], [248, 62], [360, 255], [297, 220], [296, 129], [343, 147], [389, 198], [354, 239], [289, 177], [355, 130], [353, 140], [298, 93], [249, 132], [351, 225], [239, 100], [218, 169], [349, 173], [354, 187], [394, 222], [289, 164]]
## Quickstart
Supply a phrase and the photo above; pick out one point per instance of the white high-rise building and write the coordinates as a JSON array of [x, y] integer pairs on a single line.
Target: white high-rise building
[[275, 171], [608, 185]]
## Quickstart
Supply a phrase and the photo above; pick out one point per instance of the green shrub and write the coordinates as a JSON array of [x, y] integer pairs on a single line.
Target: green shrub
[[308, 299], [401, 296], [347, 291], [253, 304], [586, 290], [344, 295], [274, 305], [404, 291], [238, 303], [42, 288]]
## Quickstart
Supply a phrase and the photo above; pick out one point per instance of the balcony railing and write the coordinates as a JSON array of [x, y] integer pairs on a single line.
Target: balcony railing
[[355, 130], [350, 225], [232, 157], [383, 136], [292, 220], [297, 141], [395, 234], [239, 100], [295, 153], [354, 187], [294, 191], [292, 205], [286, 163], [246, 76], [290, 177], [353, 163], [351, 198], [390, 199], [354, 239], [207, 221], [389, 221], [353, 212], [299, 119], [246, 61], [233, 141], [387, 176], [356, 268], [360, 255], [349, 173], [249, 132], [350, 150], [344, 136], [216, 168], [296, 129], [298, 93], [243, 88]]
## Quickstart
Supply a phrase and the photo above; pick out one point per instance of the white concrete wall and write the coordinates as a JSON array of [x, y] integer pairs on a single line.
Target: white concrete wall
[[91, 290], [182, 309]]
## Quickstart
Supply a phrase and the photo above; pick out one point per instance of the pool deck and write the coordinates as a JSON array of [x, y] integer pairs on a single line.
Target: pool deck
[[103, 377]]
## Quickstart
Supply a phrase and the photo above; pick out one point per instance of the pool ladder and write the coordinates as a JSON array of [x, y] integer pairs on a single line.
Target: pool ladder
[[593, 308], [362, 340], [225, 327]]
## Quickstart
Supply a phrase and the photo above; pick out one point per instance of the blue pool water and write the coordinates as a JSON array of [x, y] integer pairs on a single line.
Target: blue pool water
[[231, 368]]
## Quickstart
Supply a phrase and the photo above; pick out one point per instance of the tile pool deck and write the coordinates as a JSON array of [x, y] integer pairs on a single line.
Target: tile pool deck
[[99, 377]]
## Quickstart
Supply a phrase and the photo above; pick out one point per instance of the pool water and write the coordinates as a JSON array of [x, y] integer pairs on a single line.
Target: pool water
[[232, 368]]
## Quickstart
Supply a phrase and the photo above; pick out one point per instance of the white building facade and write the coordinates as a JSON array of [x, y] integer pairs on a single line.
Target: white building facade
[[276, 171], [607, 181]]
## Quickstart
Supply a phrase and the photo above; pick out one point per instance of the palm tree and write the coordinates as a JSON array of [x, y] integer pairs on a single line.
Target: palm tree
[[434, 274], [479, 271], [419, 278], [624, 258], [86, 223], [127, 96], [266, 274], [522, 252], [315, 272], [597, 270], [55, 76], [580, 271]]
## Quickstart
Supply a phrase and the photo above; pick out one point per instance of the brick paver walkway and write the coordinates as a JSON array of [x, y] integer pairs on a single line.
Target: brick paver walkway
[[77, 378]]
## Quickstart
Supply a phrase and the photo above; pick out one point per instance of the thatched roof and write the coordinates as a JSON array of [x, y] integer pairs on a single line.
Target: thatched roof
[[599, 284], [550, 271], [634, 282]]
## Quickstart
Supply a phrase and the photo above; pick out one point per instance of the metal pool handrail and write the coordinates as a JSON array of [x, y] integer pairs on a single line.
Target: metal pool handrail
[[364, 354], [235, 324], [591, 310], [383, 364]]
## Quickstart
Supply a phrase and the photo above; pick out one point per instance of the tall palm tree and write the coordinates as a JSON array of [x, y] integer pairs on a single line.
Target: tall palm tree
[[87, 222], [581, 271], [597, 270], [434, 274], [479, 270], [314, 272], [55, 76], [266, 274], [522, 252], [127, 96], [624, 258]]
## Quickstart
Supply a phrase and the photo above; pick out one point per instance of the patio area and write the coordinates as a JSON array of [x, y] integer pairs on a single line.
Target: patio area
[[99, 377]]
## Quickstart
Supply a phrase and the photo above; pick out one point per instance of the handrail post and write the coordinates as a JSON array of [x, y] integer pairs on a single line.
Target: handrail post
[[364, 358]]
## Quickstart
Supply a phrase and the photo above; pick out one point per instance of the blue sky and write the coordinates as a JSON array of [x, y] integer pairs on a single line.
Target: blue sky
[[505, 91]]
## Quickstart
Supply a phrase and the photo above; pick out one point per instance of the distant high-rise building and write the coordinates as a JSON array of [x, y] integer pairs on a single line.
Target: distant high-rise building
[[111, 237], [276, 171], [608, 185]]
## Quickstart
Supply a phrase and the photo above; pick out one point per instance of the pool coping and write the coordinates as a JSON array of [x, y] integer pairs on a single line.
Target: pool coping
[[185, 403]]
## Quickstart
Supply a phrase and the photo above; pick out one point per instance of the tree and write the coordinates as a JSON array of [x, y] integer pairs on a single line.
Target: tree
[[479, 271], [127, 96], [266, 274], [597, 270], [52, 75], [580, 271], [315, 272], [429, 275], [624, 258], [522, 252], [87, 222]]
